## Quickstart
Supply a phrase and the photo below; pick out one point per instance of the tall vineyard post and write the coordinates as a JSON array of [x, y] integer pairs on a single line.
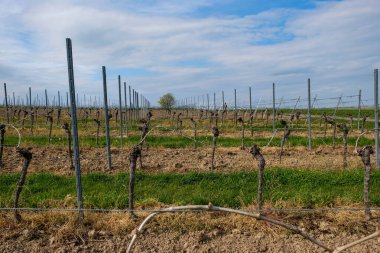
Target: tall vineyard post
[[46, 105], [309, 113], [6, 101], [376, 105], [31, 110], [235, 109], [125, 109], [250, 112], [130, 106], [106, 116], [74, 126], [359, 107], [2, 133], [274, 108], [121, 114]]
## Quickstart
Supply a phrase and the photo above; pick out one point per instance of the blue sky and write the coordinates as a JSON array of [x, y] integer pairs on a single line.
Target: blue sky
[[191, 48]]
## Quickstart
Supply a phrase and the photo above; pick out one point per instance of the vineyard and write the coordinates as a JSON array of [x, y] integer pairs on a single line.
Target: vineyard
[[208, 175]]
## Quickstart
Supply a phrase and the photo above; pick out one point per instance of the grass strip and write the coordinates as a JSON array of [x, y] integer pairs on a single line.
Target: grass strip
[[283, 187]]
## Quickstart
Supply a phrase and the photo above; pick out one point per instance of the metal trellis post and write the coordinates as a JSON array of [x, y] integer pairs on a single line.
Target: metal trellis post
[[74, 125], [108, 142]]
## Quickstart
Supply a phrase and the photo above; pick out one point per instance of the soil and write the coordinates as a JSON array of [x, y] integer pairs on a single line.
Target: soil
[[203, 232], [158, 160]]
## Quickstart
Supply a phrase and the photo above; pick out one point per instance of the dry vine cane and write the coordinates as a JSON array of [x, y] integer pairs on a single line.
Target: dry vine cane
[[36, 111], [365, 154], [50, 119], [298, 114], [291, 120], [267, 113], [363, 123], [86, 119], [200, 114], [235, 117], [31, 121], [215, 131], [133, 155], [216, 116], [97, 130], [195, 132], [172, 119], [211, 118], [255, 151], [224, 114], [59, 112], [27, 155], [333, 124], [178, 120], [116, 115], [149, 115], [241, 121], [70, 152], [321, 119], [48, 113], [14, 115], [345, 130], [18, 114], [325, 124], [2, 133], [97, 114], [24, 117], [251, 122], [351, 120], [285, 137], [212, 208], [144, 131]]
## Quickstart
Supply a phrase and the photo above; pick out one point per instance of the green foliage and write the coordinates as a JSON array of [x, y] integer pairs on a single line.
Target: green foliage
[[167, 101]]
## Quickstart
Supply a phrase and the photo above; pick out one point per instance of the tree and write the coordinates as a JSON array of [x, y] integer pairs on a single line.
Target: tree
[[167, 101]]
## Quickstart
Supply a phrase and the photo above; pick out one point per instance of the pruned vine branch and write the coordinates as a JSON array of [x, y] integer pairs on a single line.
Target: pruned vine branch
[[210, 207]]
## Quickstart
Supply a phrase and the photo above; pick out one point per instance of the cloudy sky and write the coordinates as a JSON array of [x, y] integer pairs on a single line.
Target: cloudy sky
[[191, 48]]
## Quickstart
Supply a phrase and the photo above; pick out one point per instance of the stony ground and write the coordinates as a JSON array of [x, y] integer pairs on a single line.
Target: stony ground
[[158, 160], [203, 232]]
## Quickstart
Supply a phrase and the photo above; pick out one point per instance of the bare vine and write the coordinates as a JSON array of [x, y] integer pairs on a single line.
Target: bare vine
[[256, 153], [27, 155], [365, 154], [345, 130], [215, 131]]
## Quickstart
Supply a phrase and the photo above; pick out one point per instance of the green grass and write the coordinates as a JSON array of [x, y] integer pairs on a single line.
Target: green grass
[[183, 142], [301, 188]]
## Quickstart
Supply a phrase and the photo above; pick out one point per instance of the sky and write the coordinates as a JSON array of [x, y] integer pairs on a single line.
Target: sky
[[192, 48]]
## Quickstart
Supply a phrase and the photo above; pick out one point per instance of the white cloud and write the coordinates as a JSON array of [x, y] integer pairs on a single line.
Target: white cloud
[[335, 44]]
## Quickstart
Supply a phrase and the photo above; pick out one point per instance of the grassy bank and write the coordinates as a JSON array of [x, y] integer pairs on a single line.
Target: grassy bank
[[282, 187]]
